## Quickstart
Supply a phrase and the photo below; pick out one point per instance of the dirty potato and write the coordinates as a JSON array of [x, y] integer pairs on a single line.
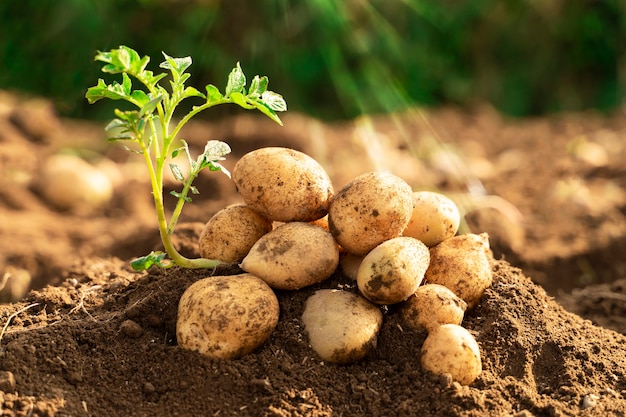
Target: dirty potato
[[435, 218], [462, 263], [293, 256], [431, 306], [342, 326], [226, 317], [393, 270], [370, 209], [231, 232], [283, 184]]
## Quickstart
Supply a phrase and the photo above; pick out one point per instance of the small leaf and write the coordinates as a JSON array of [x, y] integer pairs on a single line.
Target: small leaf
[[213, 94], [176, 65], [236, 81], [258, 86], [194, 190], [145, 262], [274, 101], [240, 99], [176, 171], [150, 106], [179, 196], [263, 108], [192, 92]]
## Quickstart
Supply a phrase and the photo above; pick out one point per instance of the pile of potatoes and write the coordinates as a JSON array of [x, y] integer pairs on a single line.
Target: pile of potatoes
[[294, 231]]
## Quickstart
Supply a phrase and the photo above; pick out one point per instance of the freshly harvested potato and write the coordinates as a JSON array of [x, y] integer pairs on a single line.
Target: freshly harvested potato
[[226, 317], [370, 209], [342, 326], [451, 349], [283, 184], [293, 256], [231, 232], [431, 306], [461, 263], [435, 218], [393, 270]]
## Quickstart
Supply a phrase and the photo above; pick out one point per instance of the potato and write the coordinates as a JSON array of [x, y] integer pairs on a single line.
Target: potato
[[283, 184], [451, 349], [70, 183], [370, 209], [231, 232], [293, 256], [431, 306], [393, 270], [342, 326], [226, 317], [461, 263], [349, 264], [435, 218]]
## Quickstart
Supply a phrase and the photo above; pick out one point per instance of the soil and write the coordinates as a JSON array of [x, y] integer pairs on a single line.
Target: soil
[[93, 338]]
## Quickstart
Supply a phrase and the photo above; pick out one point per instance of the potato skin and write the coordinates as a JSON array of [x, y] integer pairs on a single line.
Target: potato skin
[[431, 306], [283, 184], [434, 219], [372, 208], [342, 326], [293, 256], [451, 349], [462, 263], [231, 232], [226, 317], [393, 270]]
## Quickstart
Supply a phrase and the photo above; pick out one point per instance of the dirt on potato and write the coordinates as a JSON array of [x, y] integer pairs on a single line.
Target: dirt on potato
[[94, 338]]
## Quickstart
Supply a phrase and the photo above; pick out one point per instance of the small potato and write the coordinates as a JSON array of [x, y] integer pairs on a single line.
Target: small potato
[[342, 326], [231, 232], [370, 209], [431, 306], [461, 263], [451, 349], [283, 184], [226, 317], [393, 270], [435, 218], [293, 256]]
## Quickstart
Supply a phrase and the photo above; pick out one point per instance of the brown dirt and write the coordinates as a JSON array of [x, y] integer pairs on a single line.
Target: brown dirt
[[93, 338]]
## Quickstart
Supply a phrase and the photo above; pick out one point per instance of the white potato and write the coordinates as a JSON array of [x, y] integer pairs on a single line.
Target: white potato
[[431, 306], [370, 209], [231, 232], [293, 256], [451, 349], [462, 263], [283, 184], [393, 270], [342, 326], [226, 317], [435, 218]]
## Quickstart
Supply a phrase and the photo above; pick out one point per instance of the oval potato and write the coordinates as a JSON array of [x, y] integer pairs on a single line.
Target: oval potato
[[434, 219], [283, 184], [342, 326], [431, 306], [393, 270], [226, 317], [372, 208]]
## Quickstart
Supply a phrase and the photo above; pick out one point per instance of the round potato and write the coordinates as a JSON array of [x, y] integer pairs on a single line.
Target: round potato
[[231, 232], [451, 349], [435, 218], [293, 256], [370, 209], [461, 263], [226, 317], [283, 184], [342, 326], [393, 270], [431, 306]]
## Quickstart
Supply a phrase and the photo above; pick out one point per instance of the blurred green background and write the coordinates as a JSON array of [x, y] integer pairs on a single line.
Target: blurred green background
[[334, 59]]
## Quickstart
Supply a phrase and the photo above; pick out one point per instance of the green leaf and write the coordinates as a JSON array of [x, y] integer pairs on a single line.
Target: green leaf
[[263, 108], [258, 86], [149, 107], [213, 94], [274, 101], [240, 99], [192, 92], [176, 65], [123, 59], [236, 81], [176, 171], [153, 258], [179, 196]]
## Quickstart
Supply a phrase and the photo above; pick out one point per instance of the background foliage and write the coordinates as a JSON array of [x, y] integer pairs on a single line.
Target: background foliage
[[335, 58]]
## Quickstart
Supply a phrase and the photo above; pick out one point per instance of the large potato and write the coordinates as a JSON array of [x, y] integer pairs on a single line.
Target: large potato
[[393, 270], [342, 326], [231, 232], [283, 184], [451, 349], [293, 256], [370, 209], [431, 306], [462, 263], [226, 317], [435, 218]]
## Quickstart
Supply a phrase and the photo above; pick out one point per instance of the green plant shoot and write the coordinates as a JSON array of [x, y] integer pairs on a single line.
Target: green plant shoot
[[153, 131]]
